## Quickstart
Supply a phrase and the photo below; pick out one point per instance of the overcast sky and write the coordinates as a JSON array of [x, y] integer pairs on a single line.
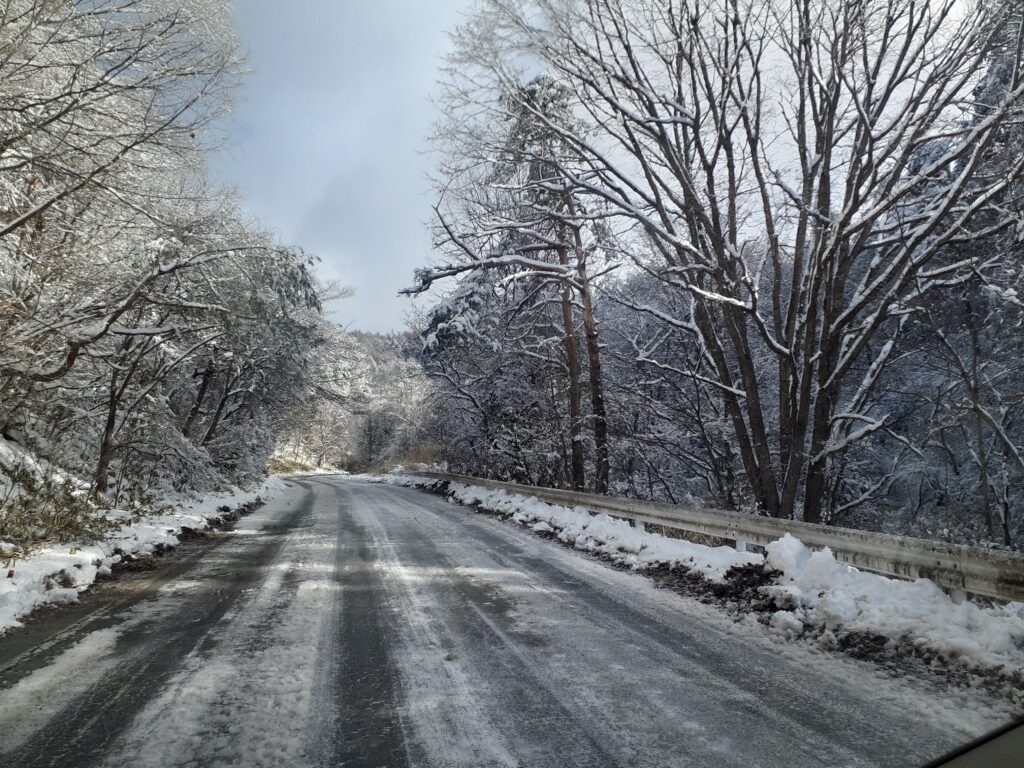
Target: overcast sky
[[327, 144]]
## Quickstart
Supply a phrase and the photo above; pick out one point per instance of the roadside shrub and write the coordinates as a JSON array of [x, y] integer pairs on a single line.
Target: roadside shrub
[[280, 465], [38, 509]]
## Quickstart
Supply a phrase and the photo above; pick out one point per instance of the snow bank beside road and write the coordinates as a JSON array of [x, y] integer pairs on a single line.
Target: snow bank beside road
[[809, 592], [814, 590], [607, 535], [55, 575]]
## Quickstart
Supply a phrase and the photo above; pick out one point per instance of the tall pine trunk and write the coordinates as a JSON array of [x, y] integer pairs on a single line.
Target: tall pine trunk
[[577, 466], [597, 405]]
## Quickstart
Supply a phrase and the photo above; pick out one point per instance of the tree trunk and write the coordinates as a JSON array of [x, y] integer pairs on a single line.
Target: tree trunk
[[1007, 539], [974, 392], [597, 406], [193, 414], [106, 453], [577, 467], [814, 493], [219, 412]]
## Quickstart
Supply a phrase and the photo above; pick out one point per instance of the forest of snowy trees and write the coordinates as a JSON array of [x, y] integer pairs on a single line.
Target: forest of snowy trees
[[151, 336], [762, 254], [368, 408]]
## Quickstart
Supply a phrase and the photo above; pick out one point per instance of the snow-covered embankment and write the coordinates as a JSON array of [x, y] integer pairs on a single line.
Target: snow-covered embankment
[[58, 573]]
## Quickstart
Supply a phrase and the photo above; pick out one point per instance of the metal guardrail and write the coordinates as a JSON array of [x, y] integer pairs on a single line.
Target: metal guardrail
[[994, 573]]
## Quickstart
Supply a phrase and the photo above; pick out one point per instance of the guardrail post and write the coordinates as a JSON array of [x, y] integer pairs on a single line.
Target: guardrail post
[[741, 546]]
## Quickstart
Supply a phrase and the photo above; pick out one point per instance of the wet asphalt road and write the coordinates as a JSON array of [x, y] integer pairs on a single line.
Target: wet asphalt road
[[350, 623]]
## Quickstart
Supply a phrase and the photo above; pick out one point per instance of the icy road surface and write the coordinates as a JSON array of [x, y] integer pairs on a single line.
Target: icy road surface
[[357, 624]]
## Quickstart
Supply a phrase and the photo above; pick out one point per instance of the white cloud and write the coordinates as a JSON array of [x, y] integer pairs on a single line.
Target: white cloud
[[328, 143]]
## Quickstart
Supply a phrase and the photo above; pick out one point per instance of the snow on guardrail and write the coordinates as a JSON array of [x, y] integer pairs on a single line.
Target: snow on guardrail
[[993, 573], [810, 594]]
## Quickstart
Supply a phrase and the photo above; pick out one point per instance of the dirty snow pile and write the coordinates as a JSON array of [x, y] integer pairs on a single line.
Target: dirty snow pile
[[811, 592], [55, 575], [814, 590]]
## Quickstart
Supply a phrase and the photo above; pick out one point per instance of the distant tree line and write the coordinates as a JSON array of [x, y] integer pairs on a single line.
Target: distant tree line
[[372, 410]]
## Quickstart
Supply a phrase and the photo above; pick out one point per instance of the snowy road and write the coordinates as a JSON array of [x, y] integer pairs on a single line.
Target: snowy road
[[359, 624]]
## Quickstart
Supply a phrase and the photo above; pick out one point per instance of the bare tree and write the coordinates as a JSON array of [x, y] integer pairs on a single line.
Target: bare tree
[[799, 170], [507, 206]]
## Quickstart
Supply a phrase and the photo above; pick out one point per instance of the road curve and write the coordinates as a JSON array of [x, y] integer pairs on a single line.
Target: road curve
[[358, 624]]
